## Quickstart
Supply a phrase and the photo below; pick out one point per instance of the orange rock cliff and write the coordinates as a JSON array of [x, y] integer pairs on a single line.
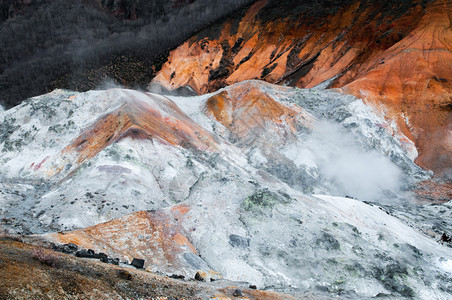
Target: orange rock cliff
[[396, 55]]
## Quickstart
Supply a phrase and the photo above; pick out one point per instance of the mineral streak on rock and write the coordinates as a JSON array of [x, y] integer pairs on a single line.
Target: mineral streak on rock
[[412, 83], [155, 117], [248, 112]]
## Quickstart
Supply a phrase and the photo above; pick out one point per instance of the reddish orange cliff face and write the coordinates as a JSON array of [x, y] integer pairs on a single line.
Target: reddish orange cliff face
[[251, 115], [396, 55], [413, 80]]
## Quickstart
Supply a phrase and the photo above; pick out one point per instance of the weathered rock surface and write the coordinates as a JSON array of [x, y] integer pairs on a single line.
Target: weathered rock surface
[[154, 235], [395, 55], [229, 186]]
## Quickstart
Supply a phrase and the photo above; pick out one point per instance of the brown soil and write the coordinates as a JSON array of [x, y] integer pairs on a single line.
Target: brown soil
[[23, 275]]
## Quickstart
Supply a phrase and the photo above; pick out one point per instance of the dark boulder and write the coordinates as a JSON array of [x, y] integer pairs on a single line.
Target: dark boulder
[[103, 257], [86, 253], [199, 277], [138, 263], [445, 238], [72, 248], [66, 248]]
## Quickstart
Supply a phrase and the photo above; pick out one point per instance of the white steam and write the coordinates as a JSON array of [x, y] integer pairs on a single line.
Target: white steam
[[108, 83], [353, 170]]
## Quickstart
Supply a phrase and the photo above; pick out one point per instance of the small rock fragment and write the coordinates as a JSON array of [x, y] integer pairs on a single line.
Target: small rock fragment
[[138, 263], [103, 257], [199, 277], [86, 253], [66, 248]]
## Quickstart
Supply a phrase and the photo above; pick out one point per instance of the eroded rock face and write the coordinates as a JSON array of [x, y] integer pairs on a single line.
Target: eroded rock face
[[412, 83], [251, 116], [228, 185], [156, 236], [395, 55]]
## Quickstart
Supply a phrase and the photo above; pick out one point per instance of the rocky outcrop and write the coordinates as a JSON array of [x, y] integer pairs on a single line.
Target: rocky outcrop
[[251, 116], [155, 236], [396, 55], [152, 117], [411, 82], [302, 46], [227, 186]]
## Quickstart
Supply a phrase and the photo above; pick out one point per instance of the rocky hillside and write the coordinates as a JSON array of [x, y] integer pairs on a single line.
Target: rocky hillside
[[272, 186], [294, 147], [35, 272], [394, 54]]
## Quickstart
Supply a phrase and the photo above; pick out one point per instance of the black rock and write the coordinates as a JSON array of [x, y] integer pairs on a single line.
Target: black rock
[[138, 263], [86, 253], [177, 276], [103, 257], [71, 247], [199, 277], [56, 247], [66, 248], [81, 253], [237, 293], [445, 238], [253, 287]]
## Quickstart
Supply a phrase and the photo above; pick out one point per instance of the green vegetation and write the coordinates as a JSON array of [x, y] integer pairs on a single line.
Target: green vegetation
[[264, 200]]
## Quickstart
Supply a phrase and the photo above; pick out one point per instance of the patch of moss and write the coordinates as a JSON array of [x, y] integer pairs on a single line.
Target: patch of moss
[[264, 199]]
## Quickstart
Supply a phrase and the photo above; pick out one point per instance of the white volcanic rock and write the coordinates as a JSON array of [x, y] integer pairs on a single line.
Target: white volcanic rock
[[246, 183]]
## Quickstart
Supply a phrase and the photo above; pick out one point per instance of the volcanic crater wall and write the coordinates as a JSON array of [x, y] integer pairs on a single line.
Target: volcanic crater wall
[[394, 54]]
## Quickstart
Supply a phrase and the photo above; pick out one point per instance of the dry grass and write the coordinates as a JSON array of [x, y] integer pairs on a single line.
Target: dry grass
[[45, 256], [30, 272]]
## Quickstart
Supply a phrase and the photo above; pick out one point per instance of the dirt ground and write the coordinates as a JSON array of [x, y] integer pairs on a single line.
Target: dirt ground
[[35, 272]]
